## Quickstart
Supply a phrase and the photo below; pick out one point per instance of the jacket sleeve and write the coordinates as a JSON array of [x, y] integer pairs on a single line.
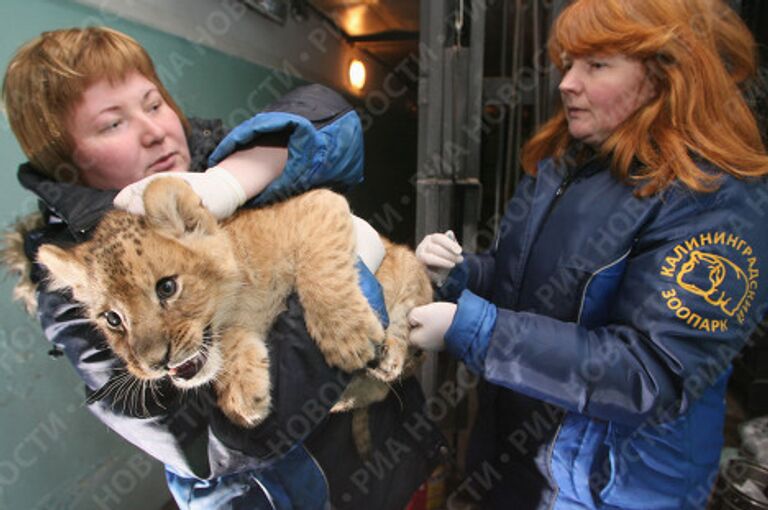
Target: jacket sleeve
[[155, 428], [325, 142], [474, 273], [690, 294]]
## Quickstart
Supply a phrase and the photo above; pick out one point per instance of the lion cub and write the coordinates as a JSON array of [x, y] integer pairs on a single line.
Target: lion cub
[[177, 295]]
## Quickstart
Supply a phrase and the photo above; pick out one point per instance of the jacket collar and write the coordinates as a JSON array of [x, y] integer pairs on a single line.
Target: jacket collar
[[582, 161], [78, 206]]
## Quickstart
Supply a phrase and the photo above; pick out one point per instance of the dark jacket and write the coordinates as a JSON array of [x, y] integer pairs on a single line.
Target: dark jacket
[[206, 455], [605, 325]]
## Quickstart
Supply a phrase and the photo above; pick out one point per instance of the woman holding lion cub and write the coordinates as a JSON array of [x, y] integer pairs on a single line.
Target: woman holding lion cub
[[90, 113]]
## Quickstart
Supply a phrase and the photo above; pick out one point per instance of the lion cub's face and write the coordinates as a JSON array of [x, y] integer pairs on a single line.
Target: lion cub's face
[[159, 287]]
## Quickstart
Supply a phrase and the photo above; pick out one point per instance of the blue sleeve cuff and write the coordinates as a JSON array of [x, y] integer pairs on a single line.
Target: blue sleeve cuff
[[331, 156], [470, 332], [454, 284], [373, 293]]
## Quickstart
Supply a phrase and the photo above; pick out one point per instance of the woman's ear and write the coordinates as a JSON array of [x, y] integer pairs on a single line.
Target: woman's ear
[[654, 76]]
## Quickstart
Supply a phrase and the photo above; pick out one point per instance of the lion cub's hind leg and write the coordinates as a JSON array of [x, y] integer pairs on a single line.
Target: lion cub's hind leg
[[337, 314], [405, 285], [243, 382]]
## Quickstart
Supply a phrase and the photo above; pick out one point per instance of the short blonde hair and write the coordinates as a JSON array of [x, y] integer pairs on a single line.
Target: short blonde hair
[[47, 78]]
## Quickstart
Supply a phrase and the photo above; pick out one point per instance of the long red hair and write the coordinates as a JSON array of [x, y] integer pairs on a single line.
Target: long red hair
[[697, 52]]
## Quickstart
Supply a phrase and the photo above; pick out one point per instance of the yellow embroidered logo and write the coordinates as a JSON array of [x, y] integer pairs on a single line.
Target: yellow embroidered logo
[[718, 273], [726, 280]]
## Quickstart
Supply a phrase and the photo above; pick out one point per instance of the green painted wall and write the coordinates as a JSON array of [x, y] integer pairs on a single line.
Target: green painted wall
[[53, 453]]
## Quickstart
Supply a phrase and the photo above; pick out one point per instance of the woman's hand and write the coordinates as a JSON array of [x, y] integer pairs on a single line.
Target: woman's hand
[[429, 323], [218, 190], [439, 253], [236, 179]]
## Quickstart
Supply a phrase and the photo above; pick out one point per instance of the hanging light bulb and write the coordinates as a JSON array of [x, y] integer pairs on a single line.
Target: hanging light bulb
[[357, 74]]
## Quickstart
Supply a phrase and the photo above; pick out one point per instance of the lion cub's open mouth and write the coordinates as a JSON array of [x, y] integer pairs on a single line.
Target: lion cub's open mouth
[[190, 367]]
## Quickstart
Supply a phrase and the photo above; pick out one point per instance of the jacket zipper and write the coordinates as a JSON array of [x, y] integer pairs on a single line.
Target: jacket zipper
[[563, 185], [567, 180], [558, 193]]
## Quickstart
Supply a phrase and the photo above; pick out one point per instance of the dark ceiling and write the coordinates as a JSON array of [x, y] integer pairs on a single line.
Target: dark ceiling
[[387, 29], [371, 17]]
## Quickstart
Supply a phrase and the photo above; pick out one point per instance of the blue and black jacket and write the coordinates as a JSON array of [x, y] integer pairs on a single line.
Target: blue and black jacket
[[604, 326], [300, 457]]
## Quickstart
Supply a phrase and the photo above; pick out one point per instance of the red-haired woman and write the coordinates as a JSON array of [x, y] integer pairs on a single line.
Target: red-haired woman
[[628, 270]]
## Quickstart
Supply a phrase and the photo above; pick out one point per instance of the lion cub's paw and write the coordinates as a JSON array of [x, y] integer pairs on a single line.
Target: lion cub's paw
[[391, 361], [245, 404], [357, 347], [352, 355]]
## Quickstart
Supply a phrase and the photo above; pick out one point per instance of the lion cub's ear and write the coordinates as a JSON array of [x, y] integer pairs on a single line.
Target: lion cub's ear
[[171, 206], [66, 270]]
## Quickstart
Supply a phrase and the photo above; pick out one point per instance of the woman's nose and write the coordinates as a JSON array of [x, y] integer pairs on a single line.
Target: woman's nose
[[571, 82], [152, 132]]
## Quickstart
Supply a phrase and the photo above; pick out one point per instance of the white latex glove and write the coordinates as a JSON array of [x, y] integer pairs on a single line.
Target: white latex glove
[[439, 253], [429, 323], [368, 244], [219, 191]]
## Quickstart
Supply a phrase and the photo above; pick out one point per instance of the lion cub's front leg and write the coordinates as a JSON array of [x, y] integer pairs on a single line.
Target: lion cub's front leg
[[243, 382], [337, 314]]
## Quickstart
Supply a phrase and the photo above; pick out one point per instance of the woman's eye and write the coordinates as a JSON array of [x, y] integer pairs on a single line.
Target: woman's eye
[[597, 65], [112, 125], [166, 287], [113, 319], [154, 102]]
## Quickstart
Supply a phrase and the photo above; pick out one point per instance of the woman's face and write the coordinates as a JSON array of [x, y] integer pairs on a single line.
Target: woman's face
[[124, 132], [601, 92]]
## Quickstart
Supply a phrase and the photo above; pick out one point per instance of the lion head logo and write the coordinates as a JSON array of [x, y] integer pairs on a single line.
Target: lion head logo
[[725, 283]]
